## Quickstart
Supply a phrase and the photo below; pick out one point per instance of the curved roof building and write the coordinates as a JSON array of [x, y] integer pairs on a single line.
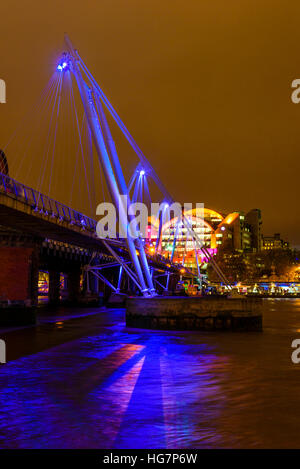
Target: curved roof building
[[214, 230]]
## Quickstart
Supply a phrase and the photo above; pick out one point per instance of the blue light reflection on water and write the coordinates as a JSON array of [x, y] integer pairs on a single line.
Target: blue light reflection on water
[[124, 388], [111, 390]]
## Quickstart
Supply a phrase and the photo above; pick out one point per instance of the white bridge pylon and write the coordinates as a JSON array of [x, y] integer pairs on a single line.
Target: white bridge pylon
[[93, 100], [111, 167]]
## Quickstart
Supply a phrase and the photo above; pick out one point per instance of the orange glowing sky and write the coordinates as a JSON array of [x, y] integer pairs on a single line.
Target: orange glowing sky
[[203, 86]]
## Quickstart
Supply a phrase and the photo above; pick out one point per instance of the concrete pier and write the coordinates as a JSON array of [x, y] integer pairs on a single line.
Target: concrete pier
[[195, 313]]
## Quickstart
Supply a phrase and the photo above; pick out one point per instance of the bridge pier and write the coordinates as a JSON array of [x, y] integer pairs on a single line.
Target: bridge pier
[[93, 283], [19, 258], [74, 285], [54, 287], [195, 313]]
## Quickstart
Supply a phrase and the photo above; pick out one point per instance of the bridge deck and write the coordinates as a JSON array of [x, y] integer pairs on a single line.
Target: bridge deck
[[27, 210], [30, 211]]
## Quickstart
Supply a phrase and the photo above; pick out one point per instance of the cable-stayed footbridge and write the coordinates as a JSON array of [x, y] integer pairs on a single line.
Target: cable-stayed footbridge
[[68, 142]]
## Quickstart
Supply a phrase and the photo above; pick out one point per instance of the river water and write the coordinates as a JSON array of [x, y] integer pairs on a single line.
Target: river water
[[83, 380]]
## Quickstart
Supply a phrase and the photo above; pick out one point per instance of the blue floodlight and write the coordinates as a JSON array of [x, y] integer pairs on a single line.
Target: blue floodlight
[[63, 66]]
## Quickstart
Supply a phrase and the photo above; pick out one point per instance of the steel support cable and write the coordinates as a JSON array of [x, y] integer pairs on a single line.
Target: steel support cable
[[66, 134], [31, 134], [37, 131], [132, 181], [166, 193], [137, 149], [76, 163], [42, 176], [100, 170], [89, 145], [66, 117], [69, 133], [208, 255], [54, 142], [99, 142], [136, 190], [133, 143], [31, 110], [126, 133], [195, 237], [51, 105], [175, 239], [147, 191], [81, 148], [184, 252], [87, 163], [215, 266], [175, 229], [206, 252], [28, 137], [196, 256], [81, 182], [141, 263], [140, 194], [102, 177]]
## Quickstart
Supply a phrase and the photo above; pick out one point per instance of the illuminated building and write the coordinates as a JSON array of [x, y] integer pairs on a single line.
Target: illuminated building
[[274, 242], [235, 231], [254, 220]]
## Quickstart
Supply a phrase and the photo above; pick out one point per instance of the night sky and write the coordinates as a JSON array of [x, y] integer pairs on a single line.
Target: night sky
[[204, 87]]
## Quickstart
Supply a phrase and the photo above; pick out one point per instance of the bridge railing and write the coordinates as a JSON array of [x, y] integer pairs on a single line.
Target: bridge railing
[[44, 204]]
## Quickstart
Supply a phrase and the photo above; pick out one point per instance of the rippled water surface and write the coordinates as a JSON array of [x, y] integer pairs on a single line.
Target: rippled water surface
[[83, 380]]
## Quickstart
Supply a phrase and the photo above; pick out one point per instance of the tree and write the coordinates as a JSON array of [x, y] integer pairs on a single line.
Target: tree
[[232, 263], [248, 266]]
